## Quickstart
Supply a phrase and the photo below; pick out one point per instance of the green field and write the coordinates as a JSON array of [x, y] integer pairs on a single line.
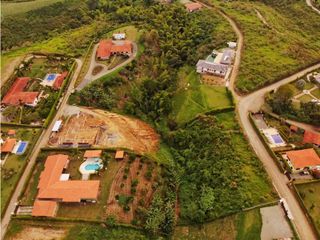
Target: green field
[[194, 98], [280, 48], [13, 8], [12, 169], [242, 226], [310, 193]]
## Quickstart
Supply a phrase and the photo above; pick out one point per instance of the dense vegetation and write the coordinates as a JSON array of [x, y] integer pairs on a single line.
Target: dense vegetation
[[279, 47], [43, 23], [282, 104], [213, 182]]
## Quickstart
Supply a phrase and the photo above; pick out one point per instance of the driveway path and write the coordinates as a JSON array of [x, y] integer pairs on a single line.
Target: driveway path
[[89, 77], [42, 141]]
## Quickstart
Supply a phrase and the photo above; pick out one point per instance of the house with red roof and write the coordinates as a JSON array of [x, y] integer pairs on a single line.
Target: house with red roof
[[311, 137], [8, 145], [54, 187], [107, 48], [300, 160], [193, 6], [59, 80], [16, 95]]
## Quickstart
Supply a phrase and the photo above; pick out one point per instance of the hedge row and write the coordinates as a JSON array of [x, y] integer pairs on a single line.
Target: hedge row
[[8, 124]]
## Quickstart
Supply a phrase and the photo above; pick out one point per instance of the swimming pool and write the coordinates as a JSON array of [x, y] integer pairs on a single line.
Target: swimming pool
[[277, 138], [51, 77], [94, 166], [22, 148]]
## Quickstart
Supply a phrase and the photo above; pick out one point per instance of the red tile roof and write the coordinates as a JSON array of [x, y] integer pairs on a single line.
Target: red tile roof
[[107, 47], [11, 132], [8, 145], [294, 128], [50, 186], [311, 137], [16, 96], [303, 158], [193, 6], [44, 208], [92, 153], [58, 82]]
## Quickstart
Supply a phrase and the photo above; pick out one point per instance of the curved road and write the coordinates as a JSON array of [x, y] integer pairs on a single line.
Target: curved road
[[253, 102], [42, 141], [93, 63]]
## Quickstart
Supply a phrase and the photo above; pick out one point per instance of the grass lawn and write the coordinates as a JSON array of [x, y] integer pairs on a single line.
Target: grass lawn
[[194, 98], [305, 98], [310, 193], [15, 163], [316, 93], [227, 120], [131, 32], [283, 47], [13, 8], [242, 226]]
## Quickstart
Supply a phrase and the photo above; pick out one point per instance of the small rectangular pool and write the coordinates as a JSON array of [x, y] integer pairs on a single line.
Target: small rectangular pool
[[22, 148], [277, 139]]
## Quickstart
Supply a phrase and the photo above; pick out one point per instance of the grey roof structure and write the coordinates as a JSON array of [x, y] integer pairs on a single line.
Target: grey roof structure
[[227, 56], [210, 67]]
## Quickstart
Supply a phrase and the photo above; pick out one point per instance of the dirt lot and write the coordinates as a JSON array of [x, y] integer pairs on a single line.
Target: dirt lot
[[122, 186], [39, 233], [105, 129], [213, 80]]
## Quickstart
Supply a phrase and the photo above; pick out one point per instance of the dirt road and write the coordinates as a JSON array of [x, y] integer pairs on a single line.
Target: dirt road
[[89, 77], [42, 141], [309, 3]]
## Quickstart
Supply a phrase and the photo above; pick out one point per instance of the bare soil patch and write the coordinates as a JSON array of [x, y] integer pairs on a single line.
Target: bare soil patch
[[122, 186], [213, 80], [39, 233], [96, 70], [105, 129]]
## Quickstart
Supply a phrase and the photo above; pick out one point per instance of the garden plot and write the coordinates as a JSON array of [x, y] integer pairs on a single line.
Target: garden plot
[[105, 129], [131, 188], [40, 233]]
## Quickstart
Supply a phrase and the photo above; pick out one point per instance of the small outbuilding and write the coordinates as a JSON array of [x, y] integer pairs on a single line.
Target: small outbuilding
[[119, 36], [232, 45], [193, 6], [11, 132], [119, 155], [56, 126]]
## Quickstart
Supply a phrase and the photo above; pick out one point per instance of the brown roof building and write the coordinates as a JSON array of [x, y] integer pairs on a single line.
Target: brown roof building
[[92, 154], [191, 7], [108, 48], [119, 155], [301, 159], [8, 145], [16, 94], [52, 189], [311, 137]]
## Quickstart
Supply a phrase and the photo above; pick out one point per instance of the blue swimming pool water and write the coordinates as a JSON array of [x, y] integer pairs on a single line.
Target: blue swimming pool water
[[22, 147], [92, 167], [277, 138], [51, 77]]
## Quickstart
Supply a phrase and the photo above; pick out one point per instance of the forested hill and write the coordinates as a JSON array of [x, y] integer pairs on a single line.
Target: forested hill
[[43, 23]]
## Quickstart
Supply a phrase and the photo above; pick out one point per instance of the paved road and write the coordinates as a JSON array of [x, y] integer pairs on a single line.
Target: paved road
[[42, 141], [309, 3], [89, 77], [253, 102]]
